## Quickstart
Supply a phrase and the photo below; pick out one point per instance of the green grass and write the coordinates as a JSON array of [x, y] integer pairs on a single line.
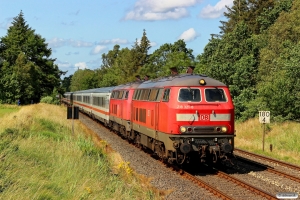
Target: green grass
[[284, 138], [41, 159], [7, 109]]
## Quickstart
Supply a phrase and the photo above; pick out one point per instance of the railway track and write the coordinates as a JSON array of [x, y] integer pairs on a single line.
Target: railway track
[[242, 190], [274, 162], [216, 192], [279, 176]]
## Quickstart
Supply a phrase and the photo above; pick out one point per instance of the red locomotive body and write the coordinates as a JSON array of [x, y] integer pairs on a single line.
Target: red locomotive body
[[120, 108], [183, 116]]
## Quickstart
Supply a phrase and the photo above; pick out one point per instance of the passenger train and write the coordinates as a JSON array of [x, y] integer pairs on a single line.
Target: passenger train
[[179, 118]]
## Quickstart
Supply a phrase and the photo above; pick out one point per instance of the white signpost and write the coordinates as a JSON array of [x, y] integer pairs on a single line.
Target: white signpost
[[264, 117]]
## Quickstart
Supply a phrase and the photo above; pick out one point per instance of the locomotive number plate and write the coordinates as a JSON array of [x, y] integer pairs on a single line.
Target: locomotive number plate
[[191, 117], [203, 117]]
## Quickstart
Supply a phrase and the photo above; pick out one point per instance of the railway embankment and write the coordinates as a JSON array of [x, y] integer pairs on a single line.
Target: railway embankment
[[41, 158]]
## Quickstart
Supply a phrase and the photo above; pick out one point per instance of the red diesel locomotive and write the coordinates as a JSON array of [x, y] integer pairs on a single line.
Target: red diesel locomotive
[[179, 118]]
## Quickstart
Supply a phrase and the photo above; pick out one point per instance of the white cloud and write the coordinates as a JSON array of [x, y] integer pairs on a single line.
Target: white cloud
[[59, 42], [114, 41], [188, 35], [97, 49], [75, 43], [6, 24], [56, 42], [62, 64], [215, 11], [153, 44], [150, 10], [81, 65]]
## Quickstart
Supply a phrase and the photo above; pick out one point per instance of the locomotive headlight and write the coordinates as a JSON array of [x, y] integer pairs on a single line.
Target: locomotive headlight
[[202, 82], [182, 129], [224, 129]]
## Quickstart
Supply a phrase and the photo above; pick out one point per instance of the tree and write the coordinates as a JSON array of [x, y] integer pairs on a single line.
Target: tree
[[83, 79], [66, 83], [108, 59], [167, 56], [248, 11], [232, 59], [139, 54], [233, 15], [269, 16], [279, 70], [26, 51]]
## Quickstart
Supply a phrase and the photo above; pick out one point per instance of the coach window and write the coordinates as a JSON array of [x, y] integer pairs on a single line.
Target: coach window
[[215, 95], [166, 94], [189, 95]]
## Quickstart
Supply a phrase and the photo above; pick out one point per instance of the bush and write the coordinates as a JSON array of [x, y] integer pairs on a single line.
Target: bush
[[49, 100]]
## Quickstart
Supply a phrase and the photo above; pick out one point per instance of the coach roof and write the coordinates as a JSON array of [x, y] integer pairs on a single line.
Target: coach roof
[[96, 90]]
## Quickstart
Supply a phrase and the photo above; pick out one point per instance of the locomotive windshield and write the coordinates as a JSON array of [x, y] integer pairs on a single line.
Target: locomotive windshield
[[215, 95], [189, 95]]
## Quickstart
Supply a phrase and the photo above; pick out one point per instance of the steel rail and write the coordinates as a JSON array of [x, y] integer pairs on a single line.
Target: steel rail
[[295, 167], [205, 185], [271, 169], [246, 185]]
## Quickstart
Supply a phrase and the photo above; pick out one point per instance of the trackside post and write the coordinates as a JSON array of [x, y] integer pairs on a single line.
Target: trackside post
[[264, 117], [72, 113]]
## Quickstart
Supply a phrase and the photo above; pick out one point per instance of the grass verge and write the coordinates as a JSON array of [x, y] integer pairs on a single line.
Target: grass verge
[[41, 159], [284, 138]]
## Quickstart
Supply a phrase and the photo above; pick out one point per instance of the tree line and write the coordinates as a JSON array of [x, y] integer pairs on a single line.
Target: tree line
[[256, 53]]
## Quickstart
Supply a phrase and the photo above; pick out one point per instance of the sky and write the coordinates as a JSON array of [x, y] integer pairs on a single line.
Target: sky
[[80, 31]]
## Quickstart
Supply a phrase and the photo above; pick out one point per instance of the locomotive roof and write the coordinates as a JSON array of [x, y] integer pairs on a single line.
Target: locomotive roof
[[184, 80], [131, 85], [181, 80]]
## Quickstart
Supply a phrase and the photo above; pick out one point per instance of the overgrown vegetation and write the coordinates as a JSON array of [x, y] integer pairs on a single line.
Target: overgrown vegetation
[[284, 138], [49, 100], [41, 159], [6, 109]]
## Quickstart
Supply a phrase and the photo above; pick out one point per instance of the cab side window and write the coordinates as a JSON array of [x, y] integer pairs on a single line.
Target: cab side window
[[166, 94]]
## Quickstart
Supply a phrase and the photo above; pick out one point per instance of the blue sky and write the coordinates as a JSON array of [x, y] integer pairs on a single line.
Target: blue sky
[[80, 31]]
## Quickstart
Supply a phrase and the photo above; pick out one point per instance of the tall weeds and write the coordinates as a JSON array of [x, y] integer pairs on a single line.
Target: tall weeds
[[42, 159], [284, 138]]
